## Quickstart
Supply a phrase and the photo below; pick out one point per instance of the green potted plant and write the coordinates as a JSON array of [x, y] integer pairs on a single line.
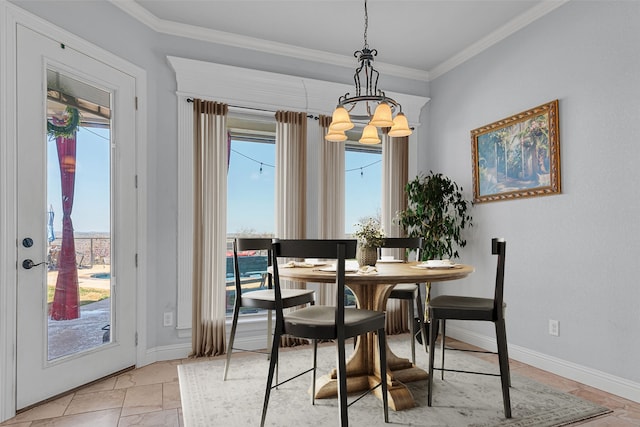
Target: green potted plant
[[438, 213], [370, 237]]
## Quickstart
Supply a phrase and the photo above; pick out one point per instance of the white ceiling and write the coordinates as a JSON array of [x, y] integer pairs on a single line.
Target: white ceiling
[[418, 39]]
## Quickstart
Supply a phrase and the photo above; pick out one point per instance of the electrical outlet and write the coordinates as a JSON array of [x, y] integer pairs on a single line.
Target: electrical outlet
[[554, 328], [168, 318]]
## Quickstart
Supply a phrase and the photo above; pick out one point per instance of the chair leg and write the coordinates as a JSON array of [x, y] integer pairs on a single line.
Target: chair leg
[[444, 325], [277, 370], [269, 337], [506, 352], [269, 331], [232, 336], [313, 381], [423, 321], [432, 343], [412, 328], [503, 359], [272, 366], [382, 348], [342, 382]]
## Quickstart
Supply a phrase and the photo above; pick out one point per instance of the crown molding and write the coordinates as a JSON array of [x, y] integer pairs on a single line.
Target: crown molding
[[235, 40], [498, 35]]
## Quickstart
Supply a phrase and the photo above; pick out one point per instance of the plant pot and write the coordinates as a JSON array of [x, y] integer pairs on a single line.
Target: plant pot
[[366, 256]]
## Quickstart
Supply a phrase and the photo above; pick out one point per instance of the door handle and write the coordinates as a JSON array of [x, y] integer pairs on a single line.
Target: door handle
[[28, 264]]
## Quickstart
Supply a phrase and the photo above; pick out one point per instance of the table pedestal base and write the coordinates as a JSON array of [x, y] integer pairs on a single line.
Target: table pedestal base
[[363, 366], [399, 395], [399, 372]]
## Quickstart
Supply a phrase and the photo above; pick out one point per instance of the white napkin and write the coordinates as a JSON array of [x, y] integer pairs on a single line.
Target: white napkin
[[438, 263], [292, 264], [367, 269]]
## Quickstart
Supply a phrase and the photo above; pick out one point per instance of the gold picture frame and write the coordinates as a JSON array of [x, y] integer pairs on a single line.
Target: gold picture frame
[[517, 157]]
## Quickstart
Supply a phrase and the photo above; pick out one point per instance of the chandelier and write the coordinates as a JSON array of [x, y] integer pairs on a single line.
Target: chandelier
[[367, 98]]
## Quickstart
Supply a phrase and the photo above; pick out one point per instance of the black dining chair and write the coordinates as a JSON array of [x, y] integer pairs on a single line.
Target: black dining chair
[[261, 299], [409, 292], [446, 307], [325, 322]]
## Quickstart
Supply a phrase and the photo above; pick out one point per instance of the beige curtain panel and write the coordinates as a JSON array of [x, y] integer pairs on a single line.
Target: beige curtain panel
[[290, 174], [291, 186], [395, 175], [209, 228], [332, 181], [331, 197]]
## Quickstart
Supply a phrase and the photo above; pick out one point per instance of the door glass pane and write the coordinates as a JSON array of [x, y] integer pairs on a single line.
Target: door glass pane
[[79, 283]]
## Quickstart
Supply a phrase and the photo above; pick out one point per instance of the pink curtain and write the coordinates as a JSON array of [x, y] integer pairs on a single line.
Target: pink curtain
[[65, 299]]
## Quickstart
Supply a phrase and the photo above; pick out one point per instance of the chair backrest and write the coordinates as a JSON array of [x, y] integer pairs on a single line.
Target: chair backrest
[[498, 247], [339, 250], [249, 244], [403, 243]]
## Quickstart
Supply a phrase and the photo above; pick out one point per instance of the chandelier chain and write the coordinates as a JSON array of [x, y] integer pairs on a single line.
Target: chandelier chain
[[366, 25], [361, 106]]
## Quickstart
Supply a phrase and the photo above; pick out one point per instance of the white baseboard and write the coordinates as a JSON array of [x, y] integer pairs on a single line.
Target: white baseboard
[[251, 335], [591, 377], [166, 352], [181, 351]]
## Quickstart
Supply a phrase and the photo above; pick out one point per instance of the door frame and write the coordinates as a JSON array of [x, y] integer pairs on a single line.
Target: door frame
[[11, 16]]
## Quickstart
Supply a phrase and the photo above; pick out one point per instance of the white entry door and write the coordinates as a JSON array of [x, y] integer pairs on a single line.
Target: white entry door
[[76, 219]]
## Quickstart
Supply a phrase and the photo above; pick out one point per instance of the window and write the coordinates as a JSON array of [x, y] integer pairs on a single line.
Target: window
[[363, 189], [250, 202], [363, 184], [250, 198]]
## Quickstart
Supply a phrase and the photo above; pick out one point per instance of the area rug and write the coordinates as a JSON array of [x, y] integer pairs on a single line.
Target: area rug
[[460, 400]]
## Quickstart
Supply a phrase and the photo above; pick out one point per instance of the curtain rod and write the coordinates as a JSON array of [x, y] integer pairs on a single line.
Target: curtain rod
[[309, 116]]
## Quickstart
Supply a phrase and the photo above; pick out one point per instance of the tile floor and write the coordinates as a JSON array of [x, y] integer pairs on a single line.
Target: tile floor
[[150, 396]]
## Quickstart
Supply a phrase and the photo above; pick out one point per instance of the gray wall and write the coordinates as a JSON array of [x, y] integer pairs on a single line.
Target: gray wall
[[570, 257]]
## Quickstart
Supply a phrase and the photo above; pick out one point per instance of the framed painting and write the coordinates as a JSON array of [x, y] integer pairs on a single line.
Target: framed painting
[[518, 156]]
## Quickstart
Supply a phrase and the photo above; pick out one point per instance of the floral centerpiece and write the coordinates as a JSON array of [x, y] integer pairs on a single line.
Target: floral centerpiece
[[370, 237]]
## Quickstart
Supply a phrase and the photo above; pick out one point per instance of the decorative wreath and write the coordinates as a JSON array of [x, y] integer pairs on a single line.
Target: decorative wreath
[[68, 127]]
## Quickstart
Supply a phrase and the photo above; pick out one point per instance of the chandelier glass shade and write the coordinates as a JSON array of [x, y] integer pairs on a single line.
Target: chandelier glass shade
[[382, 116], [369, 135], [400, 126], [336, 135], [369, 104], [340, 120]]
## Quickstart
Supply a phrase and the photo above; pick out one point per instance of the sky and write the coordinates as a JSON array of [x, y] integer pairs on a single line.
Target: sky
[[363, 187], [91, 197], [250, 191]]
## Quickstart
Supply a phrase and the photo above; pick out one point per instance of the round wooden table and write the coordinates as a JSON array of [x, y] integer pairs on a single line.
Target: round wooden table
[[371, 292]]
